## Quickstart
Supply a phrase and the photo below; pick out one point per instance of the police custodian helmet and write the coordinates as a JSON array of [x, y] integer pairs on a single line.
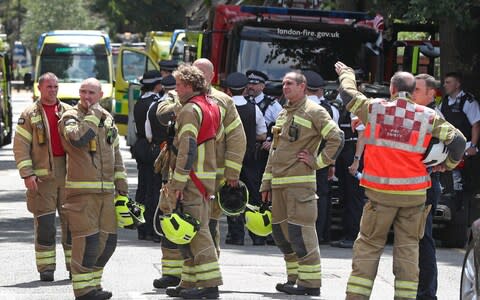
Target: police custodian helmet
[[233, 200], [129, 213], [259, 219]]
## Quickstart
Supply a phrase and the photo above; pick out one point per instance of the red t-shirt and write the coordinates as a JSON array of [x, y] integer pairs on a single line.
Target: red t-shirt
[[51, 112]]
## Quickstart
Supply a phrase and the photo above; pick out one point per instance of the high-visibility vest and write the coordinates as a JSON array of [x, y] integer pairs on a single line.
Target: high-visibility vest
[[208, 130], [397, 136]]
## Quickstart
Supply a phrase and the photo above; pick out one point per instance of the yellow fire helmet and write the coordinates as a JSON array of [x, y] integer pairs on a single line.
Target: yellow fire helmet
[[233, 200], [179, 227], [259, 219], [129, 213]]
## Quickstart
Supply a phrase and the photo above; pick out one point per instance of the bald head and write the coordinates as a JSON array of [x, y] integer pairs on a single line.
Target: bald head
[[402, 82], [90, 92], [206, 67]]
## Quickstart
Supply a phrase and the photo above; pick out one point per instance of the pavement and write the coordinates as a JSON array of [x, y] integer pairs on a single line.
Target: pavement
[[249, 272]]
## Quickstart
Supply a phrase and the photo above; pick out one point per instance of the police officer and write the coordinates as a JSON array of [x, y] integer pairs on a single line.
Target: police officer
[[314, 92], [95, 172], [424, 94], [270, 109], [395, 179], [255, 130], [167, 67], [144, 152], [290, 180], [462, 110], [40, 159]]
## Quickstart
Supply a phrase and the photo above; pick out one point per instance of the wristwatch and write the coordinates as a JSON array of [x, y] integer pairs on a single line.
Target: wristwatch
[[474, 147], [356, 157]]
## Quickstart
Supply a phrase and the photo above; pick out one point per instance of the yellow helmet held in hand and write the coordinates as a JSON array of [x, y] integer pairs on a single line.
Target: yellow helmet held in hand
[[233, 200], [129, 213], [259, 219], [178, 227]]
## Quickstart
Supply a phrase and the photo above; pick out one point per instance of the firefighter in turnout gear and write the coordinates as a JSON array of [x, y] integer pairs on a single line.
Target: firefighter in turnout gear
[[193, 182], [290, 181], [395, 179], [40, 160], [231, 144], [95, 172]]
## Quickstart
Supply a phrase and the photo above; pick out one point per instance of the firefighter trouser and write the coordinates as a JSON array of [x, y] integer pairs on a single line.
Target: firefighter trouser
[[213, 224], [294, 212], [408, 226], [172, 260], [43, 203], [94, 238], [200, 267]]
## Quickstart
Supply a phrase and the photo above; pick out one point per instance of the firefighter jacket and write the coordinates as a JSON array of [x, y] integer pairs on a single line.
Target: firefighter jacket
[[231, 140], [201, 158], [397, 134], [302, 125], [94, 162], [31, 147]]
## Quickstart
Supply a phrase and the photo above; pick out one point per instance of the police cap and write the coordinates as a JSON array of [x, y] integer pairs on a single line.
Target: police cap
[[151, 77], [236, 81], [256, 77], [314, 80], [168, 65], [168, 82]]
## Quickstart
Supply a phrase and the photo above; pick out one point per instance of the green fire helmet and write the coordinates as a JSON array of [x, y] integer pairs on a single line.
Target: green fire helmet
[[259, 219], [179, 228], [233, 200], [129, 213]]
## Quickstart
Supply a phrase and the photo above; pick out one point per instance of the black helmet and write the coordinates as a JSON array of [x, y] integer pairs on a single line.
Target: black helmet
[[233, 200]]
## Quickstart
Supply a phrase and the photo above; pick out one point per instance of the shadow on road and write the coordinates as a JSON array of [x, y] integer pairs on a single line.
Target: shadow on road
[[38, 283]]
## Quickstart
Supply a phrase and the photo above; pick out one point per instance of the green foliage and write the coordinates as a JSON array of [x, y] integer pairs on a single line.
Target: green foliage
[[142, 16], [50, 15], [438, 10]]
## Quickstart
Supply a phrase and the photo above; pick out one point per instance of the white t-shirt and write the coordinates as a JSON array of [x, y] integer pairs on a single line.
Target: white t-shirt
[[470, 109], [271, 114], [260, 126]]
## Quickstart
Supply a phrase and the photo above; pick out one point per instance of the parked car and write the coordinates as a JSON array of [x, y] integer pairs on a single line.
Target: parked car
[[469, 284]]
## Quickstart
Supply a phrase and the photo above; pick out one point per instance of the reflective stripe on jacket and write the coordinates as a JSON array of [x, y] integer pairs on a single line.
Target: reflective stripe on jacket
[[94, 162], [31, 144], [397, 136]]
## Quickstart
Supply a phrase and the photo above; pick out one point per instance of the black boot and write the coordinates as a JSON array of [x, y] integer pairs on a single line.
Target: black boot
[[174, 291], [105, 293], [46, 275], [281, 286], [166, 281], [300, 290], [200, 293], [93, 295]]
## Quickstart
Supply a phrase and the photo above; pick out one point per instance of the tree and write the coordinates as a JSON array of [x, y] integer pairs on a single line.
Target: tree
[[43, 16]]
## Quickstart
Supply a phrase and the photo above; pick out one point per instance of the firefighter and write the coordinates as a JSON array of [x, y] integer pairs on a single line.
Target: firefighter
[[395, 179], [270, 109], [314, 92], [95, 172], [40, 160], [144, 153], [193, 182], [290, 181], [231, 144], [255, 130]]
